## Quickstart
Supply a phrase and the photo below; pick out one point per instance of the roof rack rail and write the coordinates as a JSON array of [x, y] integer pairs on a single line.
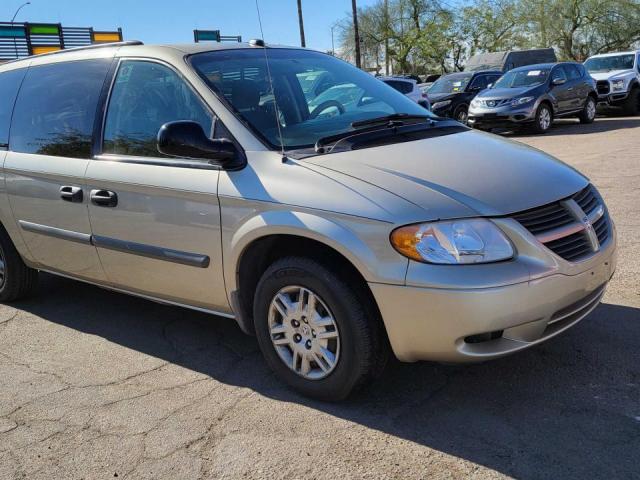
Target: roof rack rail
[[85, 47]]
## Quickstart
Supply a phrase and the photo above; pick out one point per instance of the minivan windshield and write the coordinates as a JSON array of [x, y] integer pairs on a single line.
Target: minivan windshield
[[523, 78], [607, 64], [346, 95]]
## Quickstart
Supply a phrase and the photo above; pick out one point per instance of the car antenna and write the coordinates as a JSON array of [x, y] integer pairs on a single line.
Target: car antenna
[[262, 44]]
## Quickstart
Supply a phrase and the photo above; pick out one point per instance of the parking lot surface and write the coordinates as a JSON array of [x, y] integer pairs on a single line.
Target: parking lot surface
[[95, 384]]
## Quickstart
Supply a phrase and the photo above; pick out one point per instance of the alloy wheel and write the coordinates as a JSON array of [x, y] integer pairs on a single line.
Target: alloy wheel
[[304, 332], [591, 109], [544, 119]]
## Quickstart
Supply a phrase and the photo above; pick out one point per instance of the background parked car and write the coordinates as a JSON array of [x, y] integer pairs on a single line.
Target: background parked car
[[534, 96], [451, 94], [505, 61], [618, 79], [408, 87]]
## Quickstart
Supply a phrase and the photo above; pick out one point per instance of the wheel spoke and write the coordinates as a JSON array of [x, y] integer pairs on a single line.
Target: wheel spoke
[[280, 341], [319, 361], [283, 304], [322, 321], [327, 335], [295, 360], [305, 368], [328, 356]]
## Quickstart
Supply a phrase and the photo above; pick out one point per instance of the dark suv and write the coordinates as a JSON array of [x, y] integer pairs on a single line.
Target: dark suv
[[451, 94], [534, 95]]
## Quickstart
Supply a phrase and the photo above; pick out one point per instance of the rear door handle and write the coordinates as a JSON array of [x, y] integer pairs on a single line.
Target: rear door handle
[[104, 198], [69, 193]]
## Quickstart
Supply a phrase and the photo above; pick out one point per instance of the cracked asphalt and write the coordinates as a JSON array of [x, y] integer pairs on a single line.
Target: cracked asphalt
[[97, 385]]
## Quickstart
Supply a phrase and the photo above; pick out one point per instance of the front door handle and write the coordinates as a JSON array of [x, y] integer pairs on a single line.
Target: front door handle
[[71, 194], [104, 198]]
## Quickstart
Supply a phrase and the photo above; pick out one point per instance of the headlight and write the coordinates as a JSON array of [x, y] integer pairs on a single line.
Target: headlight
[[476, 102], [617, 84], [453, 242], [521, 101], [440, 104]]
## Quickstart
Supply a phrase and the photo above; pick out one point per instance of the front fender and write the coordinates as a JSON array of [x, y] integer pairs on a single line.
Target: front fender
[[364, 242]]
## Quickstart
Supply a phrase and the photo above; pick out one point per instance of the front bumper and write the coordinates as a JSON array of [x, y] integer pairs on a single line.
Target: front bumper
[[506, 116], [476, 324]]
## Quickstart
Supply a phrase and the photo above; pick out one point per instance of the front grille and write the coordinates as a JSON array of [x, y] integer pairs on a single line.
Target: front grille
[[564, 226], [603, 87]]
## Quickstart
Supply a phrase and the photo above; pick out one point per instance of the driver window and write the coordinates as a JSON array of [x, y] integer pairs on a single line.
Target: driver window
[[145, 96], [479, 83], [558, 73]]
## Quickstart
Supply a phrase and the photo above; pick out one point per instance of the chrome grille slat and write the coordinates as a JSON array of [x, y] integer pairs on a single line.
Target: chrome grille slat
[[564, 226]]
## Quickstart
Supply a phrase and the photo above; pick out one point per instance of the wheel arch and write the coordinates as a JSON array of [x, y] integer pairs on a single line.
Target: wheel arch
[[273, 235]]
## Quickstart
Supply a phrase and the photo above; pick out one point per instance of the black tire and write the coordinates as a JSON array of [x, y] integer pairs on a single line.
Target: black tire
[[632, 104], [588, 114], [363, 346], [538, 125], [461, 113], [18, 281]]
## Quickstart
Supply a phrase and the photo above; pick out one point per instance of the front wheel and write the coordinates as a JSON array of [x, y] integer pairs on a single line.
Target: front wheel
[[543, 119], [315, 331], [461, 114], [16, 279], [632, 105], [588, 113]]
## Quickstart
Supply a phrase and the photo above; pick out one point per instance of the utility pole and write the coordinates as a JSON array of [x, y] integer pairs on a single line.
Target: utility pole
[[301, 23], [386, 37], [356, 34]]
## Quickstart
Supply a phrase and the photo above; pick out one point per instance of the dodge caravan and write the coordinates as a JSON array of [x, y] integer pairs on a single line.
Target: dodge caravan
[[200, 176]]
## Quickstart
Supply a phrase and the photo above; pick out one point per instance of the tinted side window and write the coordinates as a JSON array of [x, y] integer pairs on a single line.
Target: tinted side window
[[9, 86], [558, 72], [144, 97], [56, 108], [402, 87], [479, 83], [572, 72]]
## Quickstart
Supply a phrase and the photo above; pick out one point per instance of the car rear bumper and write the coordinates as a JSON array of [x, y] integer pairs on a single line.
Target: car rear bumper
[[468, 325]]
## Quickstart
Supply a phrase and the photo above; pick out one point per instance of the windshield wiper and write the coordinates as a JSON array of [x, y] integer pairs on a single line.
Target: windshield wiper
[[395, 119], [378, 131]]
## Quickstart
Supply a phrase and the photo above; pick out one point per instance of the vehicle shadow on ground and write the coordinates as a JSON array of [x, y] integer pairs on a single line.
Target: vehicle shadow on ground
[[569, 408], [573, 126]]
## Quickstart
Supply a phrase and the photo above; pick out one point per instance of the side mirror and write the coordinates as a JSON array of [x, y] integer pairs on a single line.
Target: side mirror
[[559, 81], [186, 139], [490, 86]]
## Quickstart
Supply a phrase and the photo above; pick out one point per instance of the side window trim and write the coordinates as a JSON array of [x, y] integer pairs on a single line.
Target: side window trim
[[98, 152]]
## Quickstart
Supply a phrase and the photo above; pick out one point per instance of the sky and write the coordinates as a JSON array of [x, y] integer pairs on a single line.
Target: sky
[[173, 21]]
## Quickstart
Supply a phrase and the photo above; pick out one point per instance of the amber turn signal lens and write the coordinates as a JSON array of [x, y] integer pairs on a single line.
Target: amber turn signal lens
[[405, 239]]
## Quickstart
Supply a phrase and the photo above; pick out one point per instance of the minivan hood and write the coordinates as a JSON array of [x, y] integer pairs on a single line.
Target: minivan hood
[[460, 175], [609, 75]]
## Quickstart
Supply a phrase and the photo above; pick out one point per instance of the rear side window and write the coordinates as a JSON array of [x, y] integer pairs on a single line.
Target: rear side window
[[572, 71], [9, 86], [56, 108], [145, 96], [402, 87]]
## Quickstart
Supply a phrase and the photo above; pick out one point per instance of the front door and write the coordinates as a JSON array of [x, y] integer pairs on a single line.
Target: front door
[[563, 93], [156, 220], [49, 149]]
